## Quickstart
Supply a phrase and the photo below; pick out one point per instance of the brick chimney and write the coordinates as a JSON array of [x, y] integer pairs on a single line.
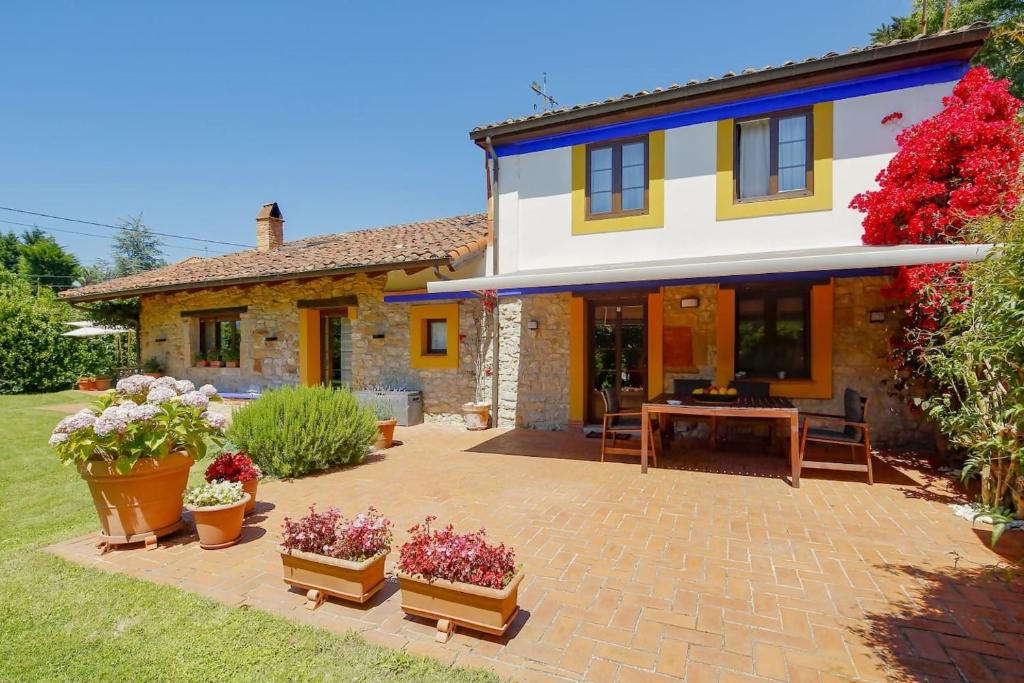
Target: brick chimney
[[269, 227]]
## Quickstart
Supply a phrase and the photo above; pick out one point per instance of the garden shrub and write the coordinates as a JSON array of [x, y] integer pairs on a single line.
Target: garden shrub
[[33, 354], [294, 431]]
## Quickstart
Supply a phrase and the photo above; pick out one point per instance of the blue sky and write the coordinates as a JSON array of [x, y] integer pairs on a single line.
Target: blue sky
[[348, 115]]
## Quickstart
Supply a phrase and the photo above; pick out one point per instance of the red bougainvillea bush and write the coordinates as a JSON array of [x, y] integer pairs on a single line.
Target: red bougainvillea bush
[[330, 533], [233, 467], [960, 165], [466, 558]]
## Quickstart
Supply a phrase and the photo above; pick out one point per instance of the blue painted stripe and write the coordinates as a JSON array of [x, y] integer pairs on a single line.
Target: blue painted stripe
[[427, 296], [801, 97]]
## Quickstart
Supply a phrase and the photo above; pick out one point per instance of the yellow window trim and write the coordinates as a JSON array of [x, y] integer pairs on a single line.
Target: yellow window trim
[[418, 317], [821, 200], [820, 384], [655, 216]]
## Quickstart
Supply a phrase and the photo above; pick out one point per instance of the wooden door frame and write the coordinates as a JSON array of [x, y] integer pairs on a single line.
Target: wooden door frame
[[630, 298]]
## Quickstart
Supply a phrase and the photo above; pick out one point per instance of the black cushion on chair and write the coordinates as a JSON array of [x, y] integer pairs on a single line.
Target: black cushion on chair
[[853, 410], [834, 435], [686, 386]]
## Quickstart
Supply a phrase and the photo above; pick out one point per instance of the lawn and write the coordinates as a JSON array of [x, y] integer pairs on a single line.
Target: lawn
[[61, 621]]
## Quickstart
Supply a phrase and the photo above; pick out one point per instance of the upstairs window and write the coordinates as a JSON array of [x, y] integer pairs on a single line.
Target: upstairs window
[[774, 156], [617, 178]]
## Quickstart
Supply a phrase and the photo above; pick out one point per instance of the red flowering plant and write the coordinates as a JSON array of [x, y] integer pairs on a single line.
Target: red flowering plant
[[329, 533], [958, 166], [466, 558], [233, 467]]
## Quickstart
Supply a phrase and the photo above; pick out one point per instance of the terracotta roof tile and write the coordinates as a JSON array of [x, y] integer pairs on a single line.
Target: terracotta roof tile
[[444, 240]]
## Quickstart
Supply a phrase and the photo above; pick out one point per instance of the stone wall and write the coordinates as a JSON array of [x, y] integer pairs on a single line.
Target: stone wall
[[272, 312]]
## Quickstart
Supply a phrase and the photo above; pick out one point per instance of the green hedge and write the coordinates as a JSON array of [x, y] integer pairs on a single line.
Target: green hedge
[[294, 431], [33, 354]]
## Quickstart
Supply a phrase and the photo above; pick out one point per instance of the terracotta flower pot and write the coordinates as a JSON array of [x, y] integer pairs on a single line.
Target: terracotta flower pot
[[202, 363], [231, 363], [476, 415], [154, 375], [102, 383], [219, 526], [386, 433], [216, 363], [142, 504], [323, 576], [87, 385], [250, 488], [489, 610]]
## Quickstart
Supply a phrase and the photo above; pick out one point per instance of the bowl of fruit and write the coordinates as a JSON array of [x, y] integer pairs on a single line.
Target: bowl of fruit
[[716, 394]]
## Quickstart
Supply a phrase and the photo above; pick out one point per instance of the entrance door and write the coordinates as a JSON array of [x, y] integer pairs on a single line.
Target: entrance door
[[618, 354], [336, 349]]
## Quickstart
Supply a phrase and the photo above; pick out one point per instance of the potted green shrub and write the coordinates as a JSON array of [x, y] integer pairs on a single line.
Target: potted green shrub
[[458, 579], [327, 554], [214, 358], [236, 467], [217, 509], [386, 422], [199, 360], [230, 357], [134, 448], [152, 367]]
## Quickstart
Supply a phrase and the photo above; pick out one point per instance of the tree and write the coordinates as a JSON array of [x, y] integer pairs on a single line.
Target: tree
[[97, 272], [136, 249], [1003, 53], [45, 262], [960, 165], [10, 251]]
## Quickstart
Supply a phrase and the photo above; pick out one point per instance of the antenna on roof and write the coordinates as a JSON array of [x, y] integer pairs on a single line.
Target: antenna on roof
[[548, 102]]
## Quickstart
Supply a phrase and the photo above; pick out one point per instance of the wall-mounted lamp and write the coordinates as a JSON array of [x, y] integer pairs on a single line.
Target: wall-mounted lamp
[[532, 325], [269, 339], [378, 335], [876, 316], [689, 302], [160, 339]]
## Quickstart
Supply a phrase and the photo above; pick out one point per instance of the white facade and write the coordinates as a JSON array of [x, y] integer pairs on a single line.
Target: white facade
[[534, 208]]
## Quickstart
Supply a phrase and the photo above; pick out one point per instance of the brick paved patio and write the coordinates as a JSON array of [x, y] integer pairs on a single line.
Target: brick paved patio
[[709, 568]]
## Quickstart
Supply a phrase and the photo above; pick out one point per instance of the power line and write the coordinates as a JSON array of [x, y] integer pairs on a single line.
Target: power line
[[121, 227], [44, 228]]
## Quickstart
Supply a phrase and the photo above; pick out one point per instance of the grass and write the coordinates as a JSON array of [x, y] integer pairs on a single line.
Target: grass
[[61, 621]]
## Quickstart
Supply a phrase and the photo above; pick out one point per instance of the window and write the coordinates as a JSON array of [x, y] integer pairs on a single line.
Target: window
[[436, 336], [617, 178], [773, 332], [774, 156], [219, 333]]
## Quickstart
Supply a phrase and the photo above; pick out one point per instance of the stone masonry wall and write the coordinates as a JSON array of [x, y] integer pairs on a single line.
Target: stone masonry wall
[[272, 312]]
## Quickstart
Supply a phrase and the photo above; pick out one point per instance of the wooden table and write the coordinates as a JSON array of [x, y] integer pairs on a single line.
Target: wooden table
[[753, 407]]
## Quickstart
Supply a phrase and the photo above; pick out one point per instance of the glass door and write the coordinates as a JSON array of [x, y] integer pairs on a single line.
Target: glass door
[[618, 354], [336, 349]]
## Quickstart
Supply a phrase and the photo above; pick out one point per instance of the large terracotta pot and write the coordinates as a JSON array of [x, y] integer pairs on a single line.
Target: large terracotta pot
[[385, 433], [219, 526], [250, 488], [87, 384], [102, 383], [322, 576], [476, 415], [144, 503], [489, 610]]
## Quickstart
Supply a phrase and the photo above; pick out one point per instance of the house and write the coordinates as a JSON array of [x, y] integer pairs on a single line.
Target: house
[[312, 310], [704, 231]]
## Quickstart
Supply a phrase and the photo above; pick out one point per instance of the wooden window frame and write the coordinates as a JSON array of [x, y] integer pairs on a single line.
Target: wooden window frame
[[217, 339], [773, 293], [773, 144], [428, 338], [616, 147]]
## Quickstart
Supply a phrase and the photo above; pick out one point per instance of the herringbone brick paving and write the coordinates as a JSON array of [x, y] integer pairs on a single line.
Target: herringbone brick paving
[[708, 568]]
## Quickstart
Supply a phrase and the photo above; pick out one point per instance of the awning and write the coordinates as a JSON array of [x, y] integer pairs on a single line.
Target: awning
[[831, 261]]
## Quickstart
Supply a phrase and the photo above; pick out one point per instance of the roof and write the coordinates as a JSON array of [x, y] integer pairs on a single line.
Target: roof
[[852, 259], [967, 36], [447, 241]]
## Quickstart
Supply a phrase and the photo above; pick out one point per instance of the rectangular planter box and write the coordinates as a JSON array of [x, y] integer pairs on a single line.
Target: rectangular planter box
[[408, 405], [489, 610], [355, 581]]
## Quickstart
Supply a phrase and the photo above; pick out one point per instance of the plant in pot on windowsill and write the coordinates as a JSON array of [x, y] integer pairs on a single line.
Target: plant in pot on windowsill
[[199, 360], [217, 510], [213, 357], [458, 579], [327, 554], [152, 367], [239, 468], [230, 356], [134, 448], [386, 422]]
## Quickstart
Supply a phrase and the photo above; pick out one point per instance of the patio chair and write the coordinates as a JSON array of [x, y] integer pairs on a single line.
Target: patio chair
[[849, 429], [685, 387], [618, 424]]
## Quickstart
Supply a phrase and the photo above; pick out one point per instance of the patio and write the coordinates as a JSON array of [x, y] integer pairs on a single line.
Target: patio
[[710, 567]]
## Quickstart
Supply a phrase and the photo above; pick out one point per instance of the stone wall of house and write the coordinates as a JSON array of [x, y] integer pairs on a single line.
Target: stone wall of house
[[269, 347], [533, 368]]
